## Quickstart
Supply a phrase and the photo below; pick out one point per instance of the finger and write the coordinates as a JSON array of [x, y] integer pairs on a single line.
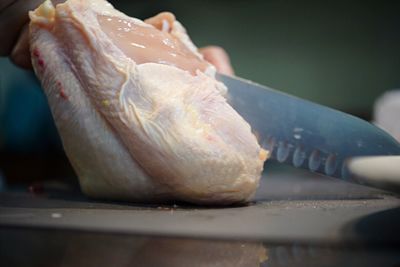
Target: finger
[[6, 3], [219, 58], [13, 17], [20, 54]]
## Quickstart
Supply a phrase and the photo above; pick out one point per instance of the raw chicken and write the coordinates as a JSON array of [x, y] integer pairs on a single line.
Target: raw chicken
[[139, 111]]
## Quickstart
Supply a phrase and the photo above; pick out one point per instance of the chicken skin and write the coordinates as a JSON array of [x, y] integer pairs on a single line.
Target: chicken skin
[[139, 111]]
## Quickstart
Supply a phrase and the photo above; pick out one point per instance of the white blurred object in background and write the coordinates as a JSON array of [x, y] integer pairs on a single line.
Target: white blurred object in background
[[382, 171], [387, 113]]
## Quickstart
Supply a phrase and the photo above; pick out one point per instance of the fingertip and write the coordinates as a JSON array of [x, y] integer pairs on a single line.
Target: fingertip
[[20, 54], [219, 58]]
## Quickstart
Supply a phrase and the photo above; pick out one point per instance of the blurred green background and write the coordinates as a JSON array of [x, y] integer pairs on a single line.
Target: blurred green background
[[342, 54]]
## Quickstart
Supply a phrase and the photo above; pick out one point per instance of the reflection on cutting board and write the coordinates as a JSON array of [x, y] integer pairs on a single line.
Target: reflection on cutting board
[[290, 206], [77, 248]]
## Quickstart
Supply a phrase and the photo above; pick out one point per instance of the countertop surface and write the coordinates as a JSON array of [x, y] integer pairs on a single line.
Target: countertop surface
[[289, 207]]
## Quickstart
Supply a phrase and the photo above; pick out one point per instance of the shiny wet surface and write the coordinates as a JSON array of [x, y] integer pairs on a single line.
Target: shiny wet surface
[[29, 247], [296, 219], [147, 44]]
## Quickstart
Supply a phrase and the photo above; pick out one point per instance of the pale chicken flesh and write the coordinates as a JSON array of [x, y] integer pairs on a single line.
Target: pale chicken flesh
[[139, 111]]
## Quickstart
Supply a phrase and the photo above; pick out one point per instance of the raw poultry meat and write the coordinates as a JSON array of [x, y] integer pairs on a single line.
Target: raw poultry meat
[[139, 111]]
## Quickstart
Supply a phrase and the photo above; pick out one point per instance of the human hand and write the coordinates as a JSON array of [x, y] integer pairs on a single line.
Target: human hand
[[219, 58], [14, 29], [15, 40]]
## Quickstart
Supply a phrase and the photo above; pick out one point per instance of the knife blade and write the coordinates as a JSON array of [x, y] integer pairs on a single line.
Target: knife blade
[[305, 134]]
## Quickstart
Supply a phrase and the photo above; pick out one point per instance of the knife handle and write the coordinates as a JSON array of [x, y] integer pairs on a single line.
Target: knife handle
[[377, 171]]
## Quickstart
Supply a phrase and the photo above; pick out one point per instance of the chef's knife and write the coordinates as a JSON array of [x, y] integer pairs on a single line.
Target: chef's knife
[[304, 134]]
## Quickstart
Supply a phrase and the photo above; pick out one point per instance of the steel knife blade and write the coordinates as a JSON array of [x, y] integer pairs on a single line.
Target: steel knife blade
[[305, 134]]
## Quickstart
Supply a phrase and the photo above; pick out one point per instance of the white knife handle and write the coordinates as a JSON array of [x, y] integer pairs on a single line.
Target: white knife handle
[[379, 171]]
